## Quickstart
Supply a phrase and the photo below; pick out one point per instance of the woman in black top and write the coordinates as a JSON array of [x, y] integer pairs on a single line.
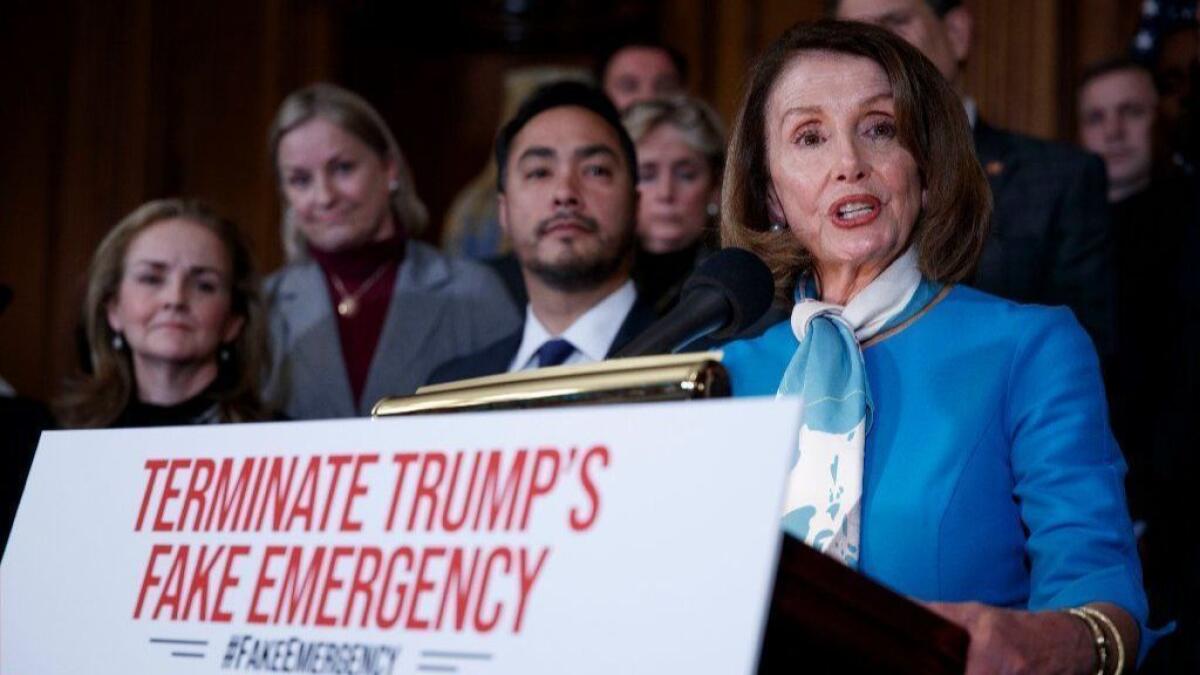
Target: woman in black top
[[174, 324], [680, 155]]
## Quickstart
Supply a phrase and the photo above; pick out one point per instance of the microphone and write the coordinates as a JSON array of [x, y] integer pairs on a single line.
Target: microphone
[[726, 294]]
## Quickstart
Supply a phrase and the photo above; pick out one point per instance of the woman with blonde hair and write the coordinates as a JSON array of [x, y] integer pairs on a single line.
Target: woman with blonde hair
[[681, 154], [174, 323], [362, 311]]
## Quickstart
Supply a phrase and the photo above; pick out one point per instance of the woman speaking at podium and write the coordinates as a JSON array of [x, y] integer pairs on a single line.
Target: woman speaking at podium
[[953, 445]]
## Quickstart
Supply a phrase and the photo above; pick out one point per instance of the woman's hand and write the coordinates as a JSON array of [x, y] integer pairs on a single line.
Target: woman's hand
[[1012, 641]]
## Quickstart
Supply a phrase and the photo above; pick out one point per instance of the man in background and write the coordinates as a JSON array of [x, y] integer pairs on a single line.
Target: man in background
[[637, 71], [1153, 210], [1117, 106], [568, 200], [1049, 242]]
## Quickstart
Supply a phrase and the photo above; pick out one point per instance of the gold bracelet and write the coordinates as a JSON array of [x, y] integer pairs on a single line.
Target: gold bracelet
[[1112, 628], [1098, 640]]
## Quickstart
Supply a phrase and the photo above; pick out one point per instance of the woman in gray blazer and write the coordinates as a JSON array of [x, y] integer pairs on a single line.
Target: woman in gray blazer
[[361, 311]]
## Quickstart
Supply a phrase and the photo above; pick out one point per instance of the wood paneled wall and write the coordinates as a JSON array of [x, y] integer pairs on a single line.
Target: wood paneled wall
[[1025, 61], [110, 104]]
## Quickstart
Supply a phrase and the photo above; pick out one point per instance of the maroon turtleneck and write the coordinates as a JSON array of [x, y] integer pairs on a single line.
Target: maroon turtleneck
[[360, 333]]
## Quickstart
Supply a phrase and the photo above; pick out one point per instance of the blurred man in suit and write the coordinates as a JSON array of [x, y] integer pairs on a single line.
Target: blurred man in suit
[[1153, 208], [1153, 212], [1117, 105], [1050, 229], [641, 70], [568, 199]]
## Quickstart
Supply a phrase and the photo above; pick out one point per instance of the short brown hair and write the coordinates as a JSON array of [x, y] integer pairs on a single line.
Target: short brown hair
[[931, 124], [97, 400]]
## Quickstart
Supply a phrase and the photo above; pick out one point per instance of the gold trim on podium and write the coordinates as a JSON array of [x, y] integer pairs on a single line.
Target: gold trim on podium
[[673, 377]]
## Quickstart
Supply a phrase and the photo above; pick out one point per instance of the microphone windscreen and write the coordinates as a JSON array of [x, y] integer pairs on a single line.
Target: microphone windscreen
[[743, 278]]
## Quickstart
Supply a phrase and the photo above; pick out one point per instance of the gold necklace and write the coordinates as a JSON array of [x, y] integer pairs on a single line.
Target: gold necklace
[[348, 304]]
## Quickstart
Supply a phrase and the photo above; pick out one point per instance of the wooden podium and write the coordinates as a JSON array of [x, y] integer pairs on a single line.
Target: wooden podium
[[824, 617]]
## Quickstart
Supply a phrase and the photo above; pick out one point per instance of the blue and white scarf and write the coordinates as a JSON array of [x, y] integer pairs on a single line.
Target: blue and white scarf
[[827, 372]]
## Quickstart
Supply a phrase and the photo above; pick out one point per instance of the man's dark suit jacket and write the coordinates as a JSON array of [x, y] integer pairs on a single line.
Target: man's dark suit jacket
[[497, 357], [1050, 239]]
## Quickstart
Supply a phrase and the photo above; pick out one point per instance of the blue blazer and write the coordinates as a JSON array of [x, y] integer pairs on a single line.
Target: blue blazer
[[990, 472]]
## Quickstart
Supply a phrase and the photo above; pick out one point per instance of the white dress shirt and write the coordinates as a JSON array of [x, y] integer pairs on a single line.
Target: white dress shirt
[[592, 334]]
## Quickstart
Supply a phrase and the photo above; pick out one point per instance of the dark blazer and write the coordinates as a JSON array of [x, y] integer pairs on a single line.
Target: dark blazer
[[22, 421], [497, 357], [1050, 239], [441, 308], [509, 270]]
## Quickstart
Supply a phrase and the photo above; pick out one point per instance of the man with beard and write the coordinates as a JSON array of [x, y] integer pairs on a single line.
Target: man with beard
[[567, 202]]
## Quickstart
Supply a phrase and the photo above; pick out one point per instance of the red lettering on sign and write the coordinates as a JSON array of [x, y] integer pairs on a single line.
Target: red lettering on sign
[[402, 460], [577, 521], [460, 587], [169, 493], [198, 585], [427, 488], [538, 485], [153, 466], [263, 582], [150, 578], [173, 584], [306, 495], [294, 591], [527, 578], [228, 580], [337, 462], [382, 617], [362, 583], [276, 493], [202, 474], [258, 478], [486, 625], [422, 585], [331, 583], [506, 501], [229, 504], [357, 489], [450, 522]]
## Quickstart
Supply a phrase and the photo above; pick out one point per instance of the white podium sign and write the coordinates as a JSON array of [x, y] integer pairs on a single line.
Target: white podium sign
[[618, 539]]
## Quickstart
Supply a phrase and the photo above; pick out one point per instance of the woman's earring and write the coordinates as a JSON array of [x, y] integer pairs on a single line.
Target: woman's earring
[[393, 185], [224, 354], [713, 210], [118, 341]]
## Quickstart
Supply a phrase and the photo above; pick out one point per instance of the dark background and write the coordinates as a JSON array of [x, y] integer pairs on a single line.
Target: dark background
[[109, 104]]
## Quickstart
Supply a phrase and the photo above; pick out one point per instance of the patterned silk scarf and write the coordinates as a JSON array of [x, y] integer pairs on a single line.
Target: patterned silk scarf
[[828, 373]]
